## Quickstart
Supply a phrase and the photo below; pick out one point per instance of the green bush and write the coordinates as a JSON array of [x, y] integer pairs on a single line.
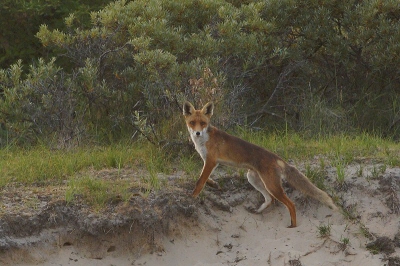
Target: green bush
[[314, 66], [47, 102]]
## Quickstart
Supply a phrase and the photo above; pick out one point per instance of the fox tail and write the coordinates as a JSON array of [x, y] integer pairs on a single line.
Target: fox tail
[[299, 181]]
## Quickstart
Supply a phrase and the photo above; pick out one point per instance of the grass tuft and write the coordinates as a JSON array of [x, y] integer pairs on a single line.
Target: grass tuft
[[324, 230], [95, 191]]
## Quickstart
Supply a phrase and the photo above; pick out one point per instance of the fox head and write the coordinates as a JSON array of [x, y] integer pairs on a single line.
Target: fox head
[[197, 121]]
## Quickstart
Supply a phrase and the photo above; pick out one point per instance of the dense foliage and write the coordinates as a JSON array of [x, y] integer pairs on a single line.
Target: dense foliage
[[20, 21], [315, 66]]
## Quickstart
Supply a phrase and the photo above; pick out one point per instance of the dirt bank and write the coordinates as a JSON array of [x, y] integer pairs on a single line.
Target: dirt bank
[[167, 227]]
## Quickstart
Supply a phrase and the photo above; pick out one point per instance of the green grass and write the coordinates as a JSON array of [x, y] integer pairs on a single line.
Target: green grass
[[340, 172], [192, 164], [345, 147], [344, 242], [324, 230], [97, 192], [41, 166]]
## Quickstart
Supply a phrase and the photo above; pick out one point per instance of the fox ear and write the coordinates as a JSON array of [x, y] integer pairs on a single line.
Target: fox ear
[[208, 109], [188, 109]]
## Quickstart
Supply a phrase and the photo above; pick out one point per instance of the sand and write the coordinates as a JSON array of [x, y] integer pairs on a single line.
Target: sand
[[227, 234]]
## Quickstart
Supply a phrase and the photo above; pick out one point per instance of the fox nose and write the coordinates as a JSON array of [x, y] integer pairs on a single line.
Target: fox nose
[[197, 133]]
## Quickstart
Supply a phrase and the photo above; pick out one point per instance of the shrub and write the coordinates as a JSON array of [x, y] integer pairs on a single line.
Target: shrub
[[315, 66], [45, 103]]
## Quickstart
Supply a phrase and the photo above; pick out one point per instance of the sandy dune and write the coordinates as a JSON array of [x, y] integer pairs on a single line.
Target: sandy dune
[[222, 232]]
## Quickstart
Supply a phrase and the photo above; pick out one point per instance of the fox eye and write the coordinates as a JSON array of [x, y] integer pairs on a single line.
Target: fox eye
[[192, 123], [202, 123]]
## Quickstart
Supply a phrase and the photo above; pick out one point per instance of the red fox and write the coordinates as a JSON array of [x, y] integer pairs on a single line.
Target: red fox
[[265, 169]]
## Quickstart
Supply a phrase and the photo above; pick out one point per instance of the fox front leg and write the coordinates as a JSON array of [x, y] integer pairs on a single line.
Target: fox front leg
[[209, 166]]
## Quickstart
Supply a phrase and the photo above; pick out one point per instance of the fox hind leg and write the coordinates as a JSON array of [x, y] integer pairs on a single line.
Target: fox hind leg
[[274, 187], [257, 183]]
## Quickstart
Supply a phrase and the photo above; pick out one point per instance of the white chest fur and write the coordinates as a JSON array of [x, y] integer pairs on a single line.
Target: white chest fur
[[200, 141]]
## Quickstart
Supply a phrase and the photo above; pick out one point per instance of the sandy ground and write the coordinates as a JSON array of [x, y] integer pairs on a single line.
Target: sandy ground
[[231, 235], [240, 238]]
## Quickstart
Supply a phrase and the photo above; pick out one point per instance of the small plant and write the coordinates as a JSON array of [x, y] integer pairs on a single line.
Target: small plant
[[71, 191], [340, 173], [383, 168], [345, 241], [360, 170], [242, 173], [377, 171], [155, 163], [340, 164], [324, 230], [152, 180], [365, 232], [155, 181]]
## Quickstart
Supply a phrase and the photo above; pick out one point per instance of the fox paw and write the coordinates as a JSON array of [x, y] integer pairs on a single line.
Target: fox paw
[[214, 185]]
